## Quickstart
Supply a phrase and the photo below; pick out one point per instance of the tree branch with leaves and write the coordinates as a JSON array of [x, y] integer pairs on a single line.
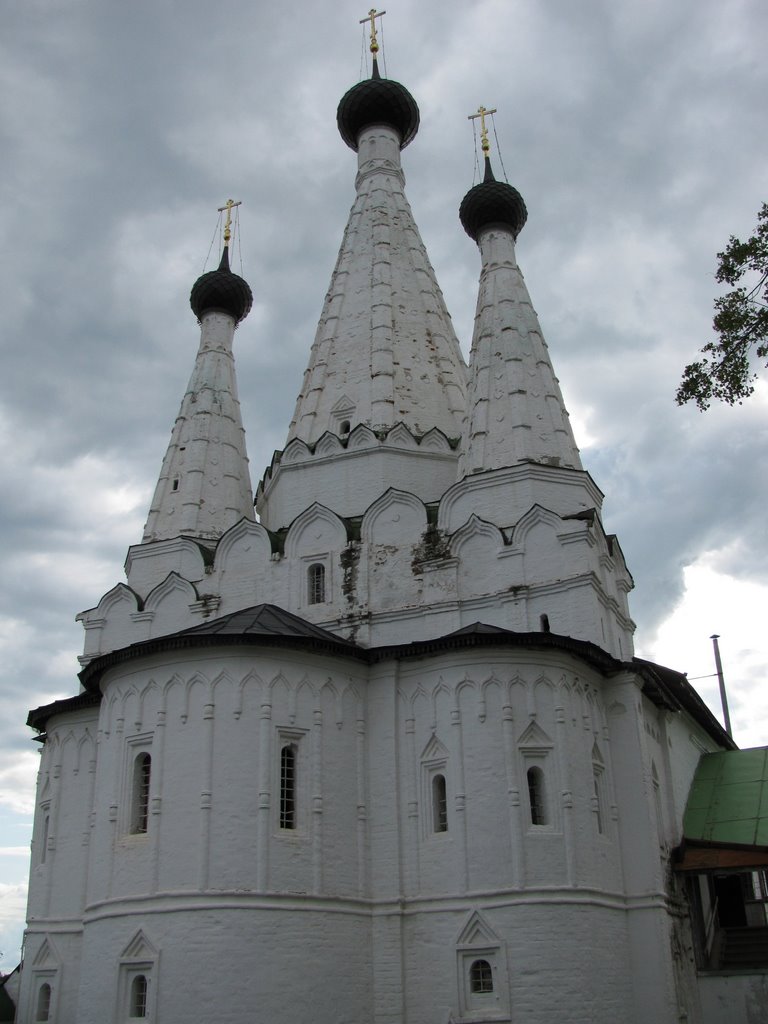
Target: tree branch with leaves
[[726, 372]]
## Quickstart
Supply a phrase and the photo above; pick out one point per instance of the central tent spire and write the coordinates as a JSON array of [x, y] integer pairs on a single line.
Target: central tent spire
[[385, 351]]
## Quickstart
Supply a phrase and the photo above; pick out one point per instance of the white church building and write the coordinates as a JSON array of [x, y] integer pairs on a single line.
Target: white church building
[[379, 752]]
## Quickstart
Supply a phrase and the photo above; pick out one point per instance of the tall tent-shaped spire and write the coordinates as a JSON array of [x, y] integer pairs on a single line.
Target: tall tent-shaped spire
[[204, 486], [385, 350], [515, 408]]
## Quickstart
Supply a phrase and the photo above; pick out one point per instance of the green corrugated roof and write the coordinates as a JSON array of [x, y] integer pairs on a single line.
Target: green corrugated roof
[[728, 801]]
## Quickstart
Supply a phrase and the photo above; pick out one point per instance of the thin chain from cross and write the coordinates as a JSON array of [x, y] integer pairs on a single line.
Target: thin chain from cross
[[372, 15], [482, 113], [229, 207]]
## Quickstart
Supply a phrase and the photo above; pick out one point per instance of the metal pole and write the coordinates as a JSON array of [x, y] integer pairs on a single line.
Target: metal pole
[[723, 698]]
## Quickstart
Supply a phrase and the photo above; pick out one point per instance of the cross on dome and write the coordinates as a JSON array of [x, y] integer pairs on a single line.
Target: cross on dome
[[482, 113], [229, 207], [371, 16]]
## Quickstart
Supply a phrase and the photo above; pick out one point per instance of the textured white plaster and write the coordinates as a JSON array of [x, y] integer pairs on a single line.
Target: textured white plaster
[[204, 485], [515, 408], [385, 337]]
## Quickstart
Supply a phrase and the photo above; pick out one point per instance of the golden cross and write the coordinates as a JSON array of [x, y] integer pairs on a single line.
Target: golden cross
[[229, 207], [372, 15], [482, 113]]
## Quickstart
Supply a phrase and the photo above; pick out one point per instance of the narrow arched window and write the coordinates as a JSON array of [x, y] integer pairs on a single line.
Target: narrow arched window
[[439, 804], [138, 998], [288, 786], [480, 977], [44, 844], [537, 796], [657, 803], [345, 425], [598, 783], [544, 623], [43, 1011], [142, 772], [316, 584]]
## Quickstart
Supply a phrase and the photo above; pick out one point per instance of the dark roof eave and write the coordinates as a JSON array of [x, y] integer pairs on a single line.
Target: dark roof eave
[[461, 639], [38, 717], [666, 688]]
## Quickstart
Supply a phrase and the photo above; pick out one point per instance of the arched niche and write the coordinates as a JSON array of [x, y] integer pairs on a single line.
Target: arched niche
[[315, 531], [395, 518], [478, 546], [169, 605]]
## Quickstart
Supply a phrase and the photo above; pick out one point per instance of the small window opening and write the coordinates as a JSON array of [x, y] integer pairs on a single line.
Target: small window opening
[[544, 622], [142, 772], [288, 787], [480, 977], [44, 845], [439, 804], [175, 486], [316, 584], [535, 777], [598, 800], [345, 427], [657, 803], [43, 1002], [139, 988]]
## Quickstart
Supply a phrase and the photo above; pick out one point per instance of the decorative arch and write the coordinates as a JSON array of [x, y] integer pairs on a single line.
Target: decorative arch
[[328, 444], [296, 451], [362, 437], [435, 441], [536, 515], [393, 518], [169, 604], [110, 625], [479, 545], [303, 539], [120, 594], [245, 547], [400, 437]]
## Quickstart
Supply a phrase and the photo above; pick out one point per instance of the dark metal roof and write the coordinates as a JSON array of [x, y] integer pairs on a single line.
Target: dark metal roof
[[263, 625], [39, 716], [266, 625], [670, 689]]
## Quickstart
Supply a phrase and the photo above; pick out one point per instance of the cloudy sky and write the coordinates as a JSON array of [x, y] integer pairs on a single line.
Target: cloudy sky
[[635, 130]]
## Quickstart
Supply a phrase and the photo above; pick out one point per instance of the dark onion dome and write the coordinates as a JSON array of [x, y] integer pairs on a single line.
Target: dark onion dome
[[492, 204], [377, 100], [221, 291]]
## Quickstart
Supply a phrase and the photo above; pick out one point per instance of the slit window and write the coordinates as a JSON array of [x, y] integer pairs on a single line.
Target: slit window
[[480, 977], [288, 786], [44, 844], [142, 772], [544, 622], [43, 1011], [316, 584], [439, 804], [536, 795], [596, 776], [138, 998]]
